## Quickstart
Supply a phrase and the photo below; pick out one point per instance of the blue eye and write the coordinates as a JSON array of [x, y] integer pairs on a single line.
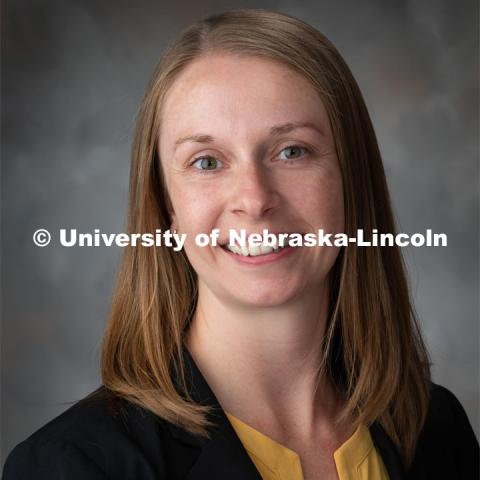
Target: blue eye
[[292, 152], [207, 163]]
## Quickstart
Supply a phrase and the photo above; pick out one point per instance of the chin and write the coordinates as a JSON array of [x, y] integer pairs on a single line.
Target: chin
[[265, 297]]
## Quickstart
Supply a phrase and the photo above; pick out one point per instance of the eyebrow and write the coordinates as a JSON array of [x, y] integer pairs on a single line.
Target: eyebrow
[[275, 131]]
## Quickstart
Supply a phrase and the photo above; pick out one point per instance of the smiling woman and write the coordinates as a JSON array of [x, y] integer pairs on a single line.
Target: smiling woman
[[298, 363]]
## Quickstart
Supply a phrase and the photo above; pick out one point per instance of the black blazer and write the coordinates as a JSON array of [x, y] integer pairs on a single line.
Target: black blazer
[[104, 437]]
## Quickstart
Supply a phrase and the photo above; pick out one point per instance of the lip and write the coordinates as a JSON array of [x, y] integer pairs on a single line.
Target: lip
[[224, 242], [261, 259]]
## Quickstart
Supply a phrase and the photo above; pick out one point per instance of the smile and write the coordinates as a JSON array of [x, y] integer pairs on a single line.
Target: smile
[[243, 244], [270, 256], [253, 250]]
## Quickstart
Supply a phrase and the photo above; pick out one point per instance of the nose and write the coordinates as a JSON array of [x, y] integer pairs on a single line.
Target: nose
[[254, 194]]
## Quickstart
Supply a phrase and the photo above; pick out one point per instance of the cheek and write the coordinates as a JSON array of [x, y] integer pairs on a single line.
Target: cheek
[[187, 206], [195, 211], [320, 199]]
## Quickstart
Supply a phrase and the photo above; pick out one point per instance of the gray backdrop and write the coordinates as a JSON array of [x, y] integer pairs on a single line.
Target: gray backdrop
[[73, 75]]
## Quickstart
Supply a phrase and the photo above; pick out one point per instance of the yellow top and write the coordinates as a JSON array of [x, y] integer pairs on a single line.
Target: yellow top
[[356, 459]]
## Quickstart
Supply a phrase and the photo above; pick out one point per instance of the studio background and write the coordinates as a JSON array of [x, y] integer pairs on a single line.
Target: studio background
[[73, 75]]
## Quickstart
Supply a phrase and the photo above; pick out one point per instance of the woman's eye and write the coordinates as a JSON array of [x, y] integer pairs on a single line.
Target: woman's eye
[[292, 152], [207, 163]]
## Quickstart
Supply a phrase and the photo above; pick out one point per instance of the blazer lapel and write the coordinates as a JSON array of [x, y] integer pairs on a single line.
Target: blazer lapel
[[223, 454], [388, 451]]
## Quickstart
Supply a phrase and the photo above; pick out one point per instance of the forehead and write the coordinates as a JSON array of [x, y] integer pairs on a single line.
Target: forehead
[[238, 93]]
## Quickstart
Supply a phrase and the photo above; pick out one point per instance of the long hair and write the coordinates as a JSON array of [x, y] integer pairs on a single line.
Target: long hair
[[373, 349]]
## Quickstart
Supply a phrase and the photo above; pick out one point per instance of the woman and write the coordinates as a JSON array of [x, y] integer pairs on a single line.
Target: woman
[[301, 363]]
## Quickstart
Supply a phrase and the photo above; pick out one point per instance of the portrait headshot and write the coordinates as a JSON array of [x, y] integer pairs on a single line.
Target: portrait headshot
[[240, 240]]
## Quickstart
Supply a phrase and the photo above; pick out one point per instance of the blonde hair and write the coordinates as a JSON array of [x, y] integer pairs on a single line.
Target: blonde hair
[[373, 349]]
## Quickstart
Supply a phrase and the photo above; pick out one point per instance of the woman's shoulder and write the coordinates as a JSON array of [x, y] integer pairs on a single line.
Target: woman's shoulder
[[447, 439], [83, 441], [445, 412]]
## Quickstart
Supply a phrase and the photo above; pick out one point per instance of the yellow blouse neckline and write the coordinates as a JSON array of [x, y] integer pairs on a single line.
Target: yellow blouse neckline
[[273, 454]]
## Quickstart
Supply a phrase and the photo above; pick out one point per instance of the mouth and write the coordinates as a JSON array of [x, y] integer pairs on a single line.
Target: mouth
[[276, 244], [252, 250]]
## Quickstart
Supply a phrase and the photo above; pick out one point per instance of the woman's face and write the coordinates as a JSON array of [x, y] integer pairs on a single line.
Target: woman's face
[[245, 143]]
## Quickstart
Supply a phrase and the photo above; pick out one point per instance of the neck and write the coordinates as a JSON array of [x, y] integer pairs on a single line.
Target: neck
[[269, 354]]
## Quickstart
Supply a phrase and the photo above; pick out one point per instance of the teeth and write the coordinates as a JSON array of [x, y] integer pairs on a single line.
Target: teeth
[[252, 250], [264, 249]]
